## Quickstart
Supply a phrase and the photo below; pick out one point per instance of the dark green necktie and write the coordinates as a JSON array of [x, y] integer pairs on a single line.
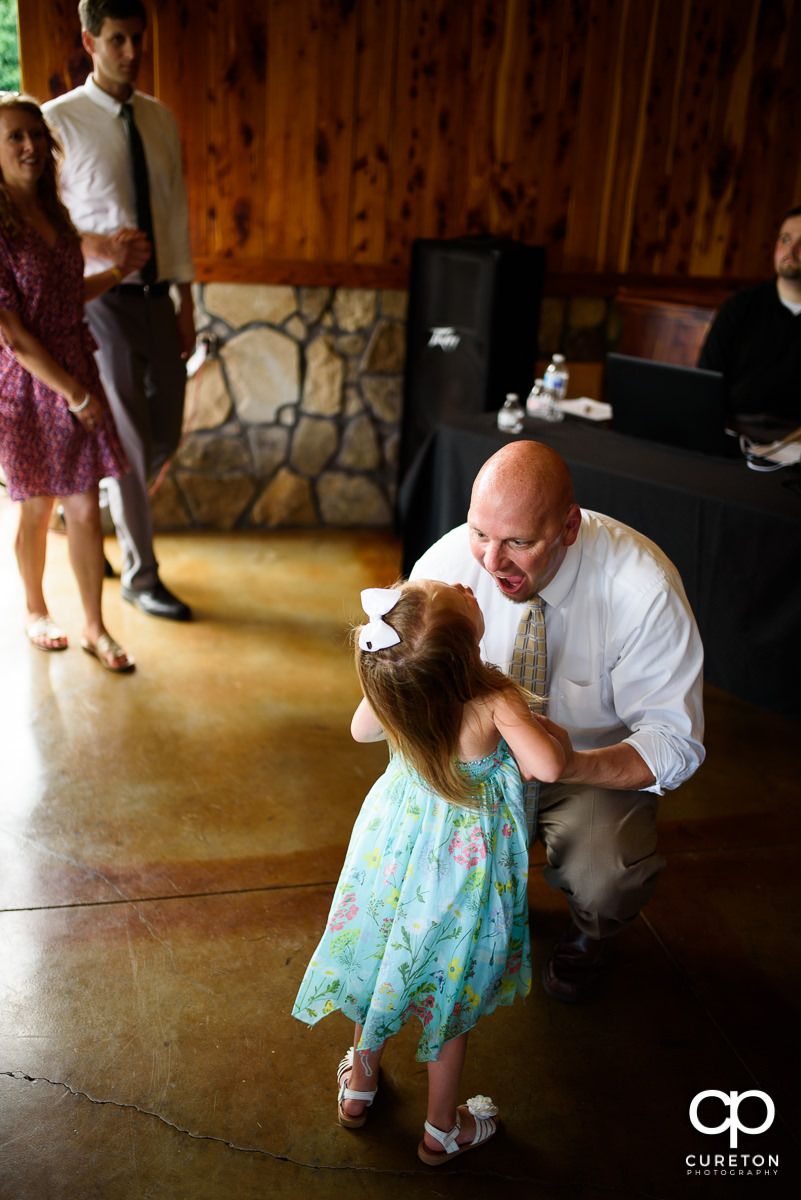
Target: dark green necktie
[[144, 218]]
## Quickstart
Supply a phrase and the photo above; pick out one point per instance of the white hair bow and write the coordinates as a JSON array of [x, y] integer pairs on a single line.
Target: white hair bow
[[376, 634]]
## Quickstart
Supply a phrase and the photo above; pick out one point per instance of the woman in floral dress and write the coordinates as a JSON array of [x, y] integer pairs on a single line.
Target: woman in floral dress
[[57, 435], [430, 916]]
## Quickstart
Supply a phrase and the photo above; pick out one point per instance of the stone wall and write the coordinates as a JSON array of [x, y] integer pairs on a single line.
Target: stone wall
[[296, 420]]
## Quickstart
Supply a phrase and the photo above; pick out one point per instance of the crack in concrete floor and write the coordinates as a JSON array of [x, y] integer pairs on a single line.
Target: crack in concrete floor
[[267, 1154]]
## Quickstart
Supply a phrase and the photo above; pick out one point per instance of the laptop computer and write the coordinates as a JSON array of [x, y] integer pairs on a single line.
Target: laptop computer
[[680, 406]]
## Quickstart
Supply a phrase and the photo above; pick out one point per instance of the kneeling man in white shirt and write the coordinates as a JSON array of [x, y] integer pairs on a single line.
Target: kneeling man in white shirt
[[623, 685]]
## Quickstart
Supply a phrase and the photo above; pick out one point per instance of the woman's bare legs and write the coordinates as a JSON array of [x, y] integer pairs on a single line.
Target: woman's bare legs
[[359, 1080], [85, 540], [444, 1078], [30, 546]]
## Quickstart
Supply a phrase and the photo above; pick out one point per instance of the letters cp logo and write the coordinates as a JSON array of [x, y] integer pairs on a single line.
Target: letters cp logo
[[732, 1101]]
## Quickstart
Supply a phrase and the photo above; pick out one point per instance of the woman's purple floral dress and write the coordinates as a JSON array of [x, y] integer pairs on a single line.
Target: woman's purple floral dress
[[44, 451]]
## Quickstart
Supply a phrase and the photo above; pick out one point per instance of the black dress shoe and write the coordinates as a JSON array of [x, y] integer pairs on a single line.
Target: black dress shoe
[[576, 966], [157, 602]]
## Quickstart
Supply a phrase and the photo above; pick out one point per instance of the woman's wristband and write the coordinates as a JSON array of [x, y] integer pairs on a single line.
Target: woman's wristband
[[80, 407], [117, 273]]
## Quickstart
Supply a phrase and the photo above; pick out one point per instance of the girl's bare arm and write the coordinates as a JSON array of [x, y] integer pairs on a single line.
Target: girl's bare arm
[[538, 754]]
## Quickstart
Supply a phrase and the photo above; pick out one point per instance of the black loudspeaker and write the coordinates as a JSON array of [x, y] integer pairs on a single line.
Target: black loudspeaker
[[474, 312]]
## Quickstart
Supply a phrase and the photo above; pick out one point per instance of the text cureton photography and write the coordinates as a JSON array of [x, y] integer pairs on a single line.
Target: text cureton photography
[[759, 1109]]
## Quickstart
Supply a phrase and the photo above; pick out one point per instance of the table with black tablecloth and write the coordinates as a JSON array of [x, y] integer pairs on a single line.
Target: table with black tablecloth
[[733, 533]]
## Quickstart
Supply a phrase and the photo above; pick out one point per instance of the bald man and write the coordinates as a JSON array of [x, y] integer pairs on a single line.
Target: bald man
[[623, 685]]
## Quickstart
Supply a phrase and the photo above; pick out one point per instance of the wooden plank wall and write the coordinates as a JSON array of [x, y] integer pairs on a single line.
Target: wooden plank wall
[[655, 139]]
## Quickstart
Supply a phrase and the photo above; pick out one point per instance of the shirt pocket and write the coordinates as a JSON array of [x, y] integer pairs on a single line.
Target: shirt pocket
[[585, 706]]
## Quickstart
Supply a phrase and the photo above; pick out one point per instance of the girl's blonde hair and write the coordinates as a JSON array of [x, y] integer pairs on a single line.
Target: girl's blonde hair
[[47, 187], [419, 687]]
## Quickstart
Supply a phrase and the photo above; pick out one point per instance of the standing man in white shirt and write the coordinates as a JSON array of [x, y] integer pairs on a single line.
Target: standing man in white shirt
[[142, 342], [623, 684]]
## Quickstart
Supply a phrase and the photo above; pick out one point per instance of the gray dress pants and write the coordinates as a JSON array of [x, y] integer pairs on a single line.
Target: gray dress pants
[[601, 851], [144, 377]]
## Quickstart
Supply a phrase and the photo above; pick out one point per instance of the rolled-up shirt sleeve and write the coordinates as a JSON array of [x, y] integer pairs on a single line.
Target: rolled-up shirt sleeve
[[657, 690]]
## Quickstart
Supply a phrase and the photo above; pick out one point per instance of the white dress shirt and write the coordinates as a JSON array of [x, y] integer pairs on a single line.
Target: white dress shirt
[[624, 653], [97, 181]]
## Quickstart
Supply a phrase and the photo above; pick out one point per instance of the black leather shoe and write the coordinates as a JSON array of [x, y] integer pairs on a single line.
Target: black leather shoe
[[157, 602], [576, 966]]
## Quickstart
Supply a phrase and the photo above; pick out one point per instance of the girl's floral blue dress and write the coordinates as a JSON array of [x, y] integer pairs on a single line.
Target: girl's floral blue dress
[[430, 915]]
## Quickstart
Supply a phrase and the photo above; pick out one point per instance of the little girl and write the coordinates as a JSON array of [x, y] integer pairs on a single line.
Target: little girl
[[430, 916]]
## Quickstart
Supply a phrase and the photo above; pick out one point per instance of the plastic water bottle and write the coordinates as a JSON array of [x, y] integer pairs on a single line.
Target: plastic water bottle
[[538, 403], [542, 398], [556, 378], [510, 417]]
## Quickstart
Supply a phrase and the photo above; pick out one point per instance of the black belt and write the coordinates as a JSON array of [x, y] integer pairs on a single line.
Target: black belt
[[151, 291]]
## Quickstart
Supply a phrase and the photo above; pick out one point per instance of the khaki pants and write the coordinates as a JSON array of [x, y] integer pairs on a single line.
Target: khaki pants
[[601, 850]]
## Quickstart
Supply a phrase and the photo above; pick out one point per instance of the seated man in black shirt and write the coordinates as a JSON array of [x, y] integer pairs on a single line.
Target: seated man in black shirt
[[755, 340]]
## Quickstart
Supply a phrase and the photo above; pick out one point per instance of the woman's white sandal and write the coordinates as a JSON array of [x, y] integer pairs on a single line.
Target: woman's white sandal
[[484, 1112], [109, 653], [45, 634], [346, 1093]]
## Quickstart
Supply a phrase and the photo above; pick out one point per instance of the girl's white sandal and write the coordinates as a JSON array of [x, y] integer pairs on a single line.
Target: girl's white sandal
[[346, 1093], [484, 1112]]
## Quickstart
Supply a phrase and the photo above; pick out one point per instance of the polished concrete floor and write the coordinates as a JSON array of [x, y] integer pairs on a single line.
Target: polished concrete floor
[[169, 842]]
